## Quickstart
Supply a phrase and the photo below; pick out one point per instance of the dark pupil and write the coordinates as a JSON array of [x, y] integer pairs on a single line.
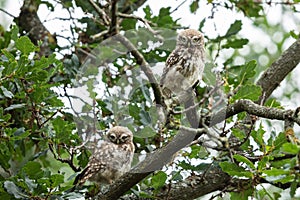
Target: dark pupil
[[196, 39], [124, 137], [112, 137]]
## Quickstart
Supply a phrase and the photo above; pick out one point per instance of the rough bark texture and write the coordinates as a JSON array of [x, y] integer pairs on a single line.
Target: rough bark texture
[[273, 76], [250, 107], [30, 24]]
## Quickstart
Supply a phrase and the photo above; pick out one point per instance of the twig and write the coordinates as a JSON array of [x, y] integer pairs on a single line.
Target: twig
[[49, 118], [7, 13], [101, 13], [99, 35], [175, 9], [144, 66], [68, 161], [144, 21]]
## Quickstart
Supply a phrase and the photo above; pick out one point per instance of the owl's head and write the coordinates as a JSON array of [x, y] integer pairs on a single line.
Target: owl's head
[[190, 38], [120, 135]]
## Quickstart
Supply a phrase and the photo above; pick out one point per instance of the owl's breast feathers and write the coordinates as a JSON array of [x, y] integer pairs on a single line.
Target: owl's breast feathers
[[189, 65]]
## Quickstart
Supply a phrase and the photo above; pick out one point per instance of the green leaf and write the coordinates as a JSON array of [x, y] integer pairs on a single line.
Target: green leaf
[[38, 75], [234, 28], [271, 102], [245, 160], [233, 170], [25, 45], [262, 163], [8, 55], [248, 71], [279, 140], [251, 92], [20, 134], [240, 74], [11, 188], [258, 135], [294, 35], [188, 166], [148, 12], [294, 187], [238, 133], [176, 176], [56, 180], [159, 179], [33, 170], [243, 195], [15, 106], [7, 93], [235, 43], [275, 172], [198, 152], [194, 6], [145, 133], [290, 148], [145, 117], [14, 33]]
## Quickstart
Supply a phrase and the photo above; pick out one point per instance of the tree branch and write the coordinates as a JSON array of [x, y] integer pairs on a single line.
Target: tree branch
[[279, 69], [30, 22], [144, 66], [254, 109], [101, 13], [213, 180]]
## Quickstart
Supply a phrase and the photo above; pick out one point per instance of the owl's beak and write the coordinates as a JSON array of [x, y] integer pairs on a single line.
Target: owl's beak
[[118, 141], [188, 43]]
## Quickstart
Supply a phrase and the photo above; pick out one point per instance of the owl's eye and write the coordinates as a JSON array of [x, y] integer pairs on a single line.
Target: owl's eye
[[196, 39], [182, 39], [124, 137], [112, 137]]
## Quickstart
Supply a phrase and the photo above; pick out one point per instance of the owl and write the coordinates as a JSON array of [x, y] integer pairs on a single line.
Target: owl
[[184, 66], [111, 160]]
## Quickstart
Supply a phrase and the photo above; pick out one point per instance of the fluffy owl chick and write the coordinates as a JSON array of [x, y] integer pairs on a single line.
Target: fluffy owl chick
[[184, 66], [111, 160]]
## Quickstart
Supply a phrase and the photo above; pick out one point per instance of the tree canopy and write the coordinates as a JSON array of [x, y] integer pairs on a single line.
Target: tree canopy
[[61, 91]]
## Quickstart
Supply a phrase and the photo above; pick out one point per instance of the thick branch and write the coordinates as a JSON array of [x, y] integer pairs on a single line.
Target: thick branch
[[29, 22], [273, 76], [254, 109], [213, 180]]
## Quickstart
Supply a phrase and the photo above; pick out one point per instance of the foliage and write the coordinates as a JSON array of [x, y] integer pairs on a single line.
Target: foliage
[[43, 127]]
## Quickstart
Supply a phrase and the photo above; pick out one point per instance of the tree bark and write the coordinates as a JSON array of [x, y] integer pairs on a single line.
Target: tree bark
[[278, 70]]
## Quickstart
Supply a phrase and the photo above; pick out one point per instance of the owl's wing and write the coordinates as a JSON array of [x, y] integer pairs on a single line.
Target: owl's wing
[[97, 163], [172, 60]]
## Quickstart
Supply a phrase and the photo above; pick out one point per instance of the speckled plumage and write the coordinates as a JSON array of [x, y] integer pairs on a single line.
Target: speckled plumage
[[111, 160], [184, 66]]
